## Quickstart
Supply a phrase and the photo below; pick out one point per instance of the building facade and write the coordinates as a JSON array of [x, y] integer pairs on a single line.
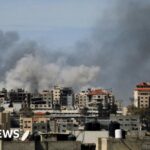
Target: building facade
[[82, 99], [142, 95]]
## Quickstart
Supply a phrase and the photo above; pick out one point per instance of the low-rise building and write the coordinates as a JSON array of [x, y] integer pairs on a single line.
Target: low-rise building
[[127, 123]]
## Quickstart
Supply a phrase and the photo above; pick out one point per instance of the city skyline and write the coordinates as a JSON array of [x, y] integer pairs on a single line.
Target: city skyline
[[74, 43]]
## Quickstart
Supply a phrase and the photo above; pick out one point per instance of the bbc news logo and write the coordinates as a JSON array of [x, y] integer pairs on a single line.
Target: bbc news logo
[[5, 134]]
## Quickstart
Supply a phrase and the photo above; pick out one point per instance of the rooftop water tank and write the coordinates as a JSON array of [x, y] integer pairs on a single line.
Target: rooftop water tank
[[118, 134]]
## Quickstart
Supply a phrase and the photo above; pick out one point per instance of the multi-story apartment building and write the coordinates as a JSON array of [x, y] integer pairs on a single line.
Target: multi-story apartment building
[[19, 97], [4, 121], [38, 122], [56, 92], [26, 124], [100, 96], [37, 103], [46, 95], [62, 96], [82, 99], [128, 122], [67, 97], [3, 95], [142, 95]]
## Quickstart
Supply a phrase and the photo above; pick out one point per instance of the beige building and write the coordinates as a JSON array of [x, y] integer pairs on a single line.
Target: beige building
[[26, 123], [46, 95], [56, 93], [142, 95], [4, 120], [82, 99]]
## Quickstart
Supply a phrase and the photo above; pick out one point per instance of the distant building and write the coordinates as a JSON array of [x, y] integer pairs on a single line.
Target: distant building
[[26, 124], [67, 97], [82, 99], [38, 103], [101, 96], [4, 120], [56, 92], [38, 122], [128, 122], [142, 95], [47, 96], [17, 96], [3, 95]]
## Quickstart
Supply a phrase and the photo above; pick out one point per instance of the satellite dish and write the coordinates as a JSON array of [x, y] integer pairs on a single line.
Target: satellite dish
[[25, 135]]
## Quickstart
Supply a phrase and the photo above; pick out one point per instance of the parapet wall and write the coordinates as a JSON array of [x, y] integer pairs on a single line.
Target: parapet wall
[[58, 145]]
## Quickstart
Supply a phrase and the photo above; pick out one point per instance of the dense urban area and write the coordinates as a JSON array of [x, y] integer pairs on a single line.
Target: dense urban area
[[90, 119]]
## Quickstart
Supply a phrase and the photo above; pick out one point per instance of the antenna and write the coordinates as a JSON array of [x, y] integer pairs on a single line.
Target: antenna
[[25, 135]]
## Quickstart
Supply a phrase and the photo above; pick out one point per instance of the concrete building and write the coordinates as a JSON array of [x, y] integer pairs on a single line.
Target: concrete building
[[101, 96], [3, 95], [26, 124], [142, 95], [56, 92], [67, 97], [4, 120], [91, 137], [40, 127], [38, 122], [62, 97], [47, 96], [128, 122], [82, 99], [38, 103], [17, 96]]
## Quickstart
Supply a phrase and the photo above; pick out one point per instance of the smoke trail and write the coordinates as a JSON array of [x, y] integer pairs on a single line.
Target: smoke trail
[[120, 44], [32, 74]]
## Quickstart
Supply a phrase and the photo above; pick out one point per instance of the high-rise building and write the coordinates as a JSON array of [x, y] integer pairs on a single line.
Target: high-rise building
[[82, 99], [56, 92], [62, 96], [4, 121], [67, 97], [142, 95]]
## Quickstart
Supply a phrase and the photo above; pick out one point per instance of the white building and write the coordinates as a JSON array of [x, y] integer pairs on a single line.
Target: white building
[[142, 95]]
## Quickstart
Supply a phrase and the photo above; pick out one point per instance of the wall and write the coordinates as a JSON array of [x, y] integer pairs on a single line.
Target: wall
[[58, 145], [18, 146]]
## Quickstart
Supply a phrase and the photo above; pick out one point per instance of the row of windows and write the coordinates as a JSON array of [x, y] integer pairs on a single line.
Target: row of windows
[[35, 127], [127, 119], [27, 127], [36, 105], [129, 125], [144, 93], [144, 97], [27, 121]]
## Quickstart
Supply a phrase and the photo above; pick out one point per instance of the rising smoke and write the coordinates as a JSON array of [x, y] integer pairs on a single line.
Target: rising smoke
[[119, 45], [26, 66]]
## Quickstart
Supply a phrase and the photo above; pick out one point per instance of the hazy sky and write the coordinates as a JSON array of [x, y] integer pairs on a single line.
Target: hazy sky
[[110, 35], [56, 23]]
